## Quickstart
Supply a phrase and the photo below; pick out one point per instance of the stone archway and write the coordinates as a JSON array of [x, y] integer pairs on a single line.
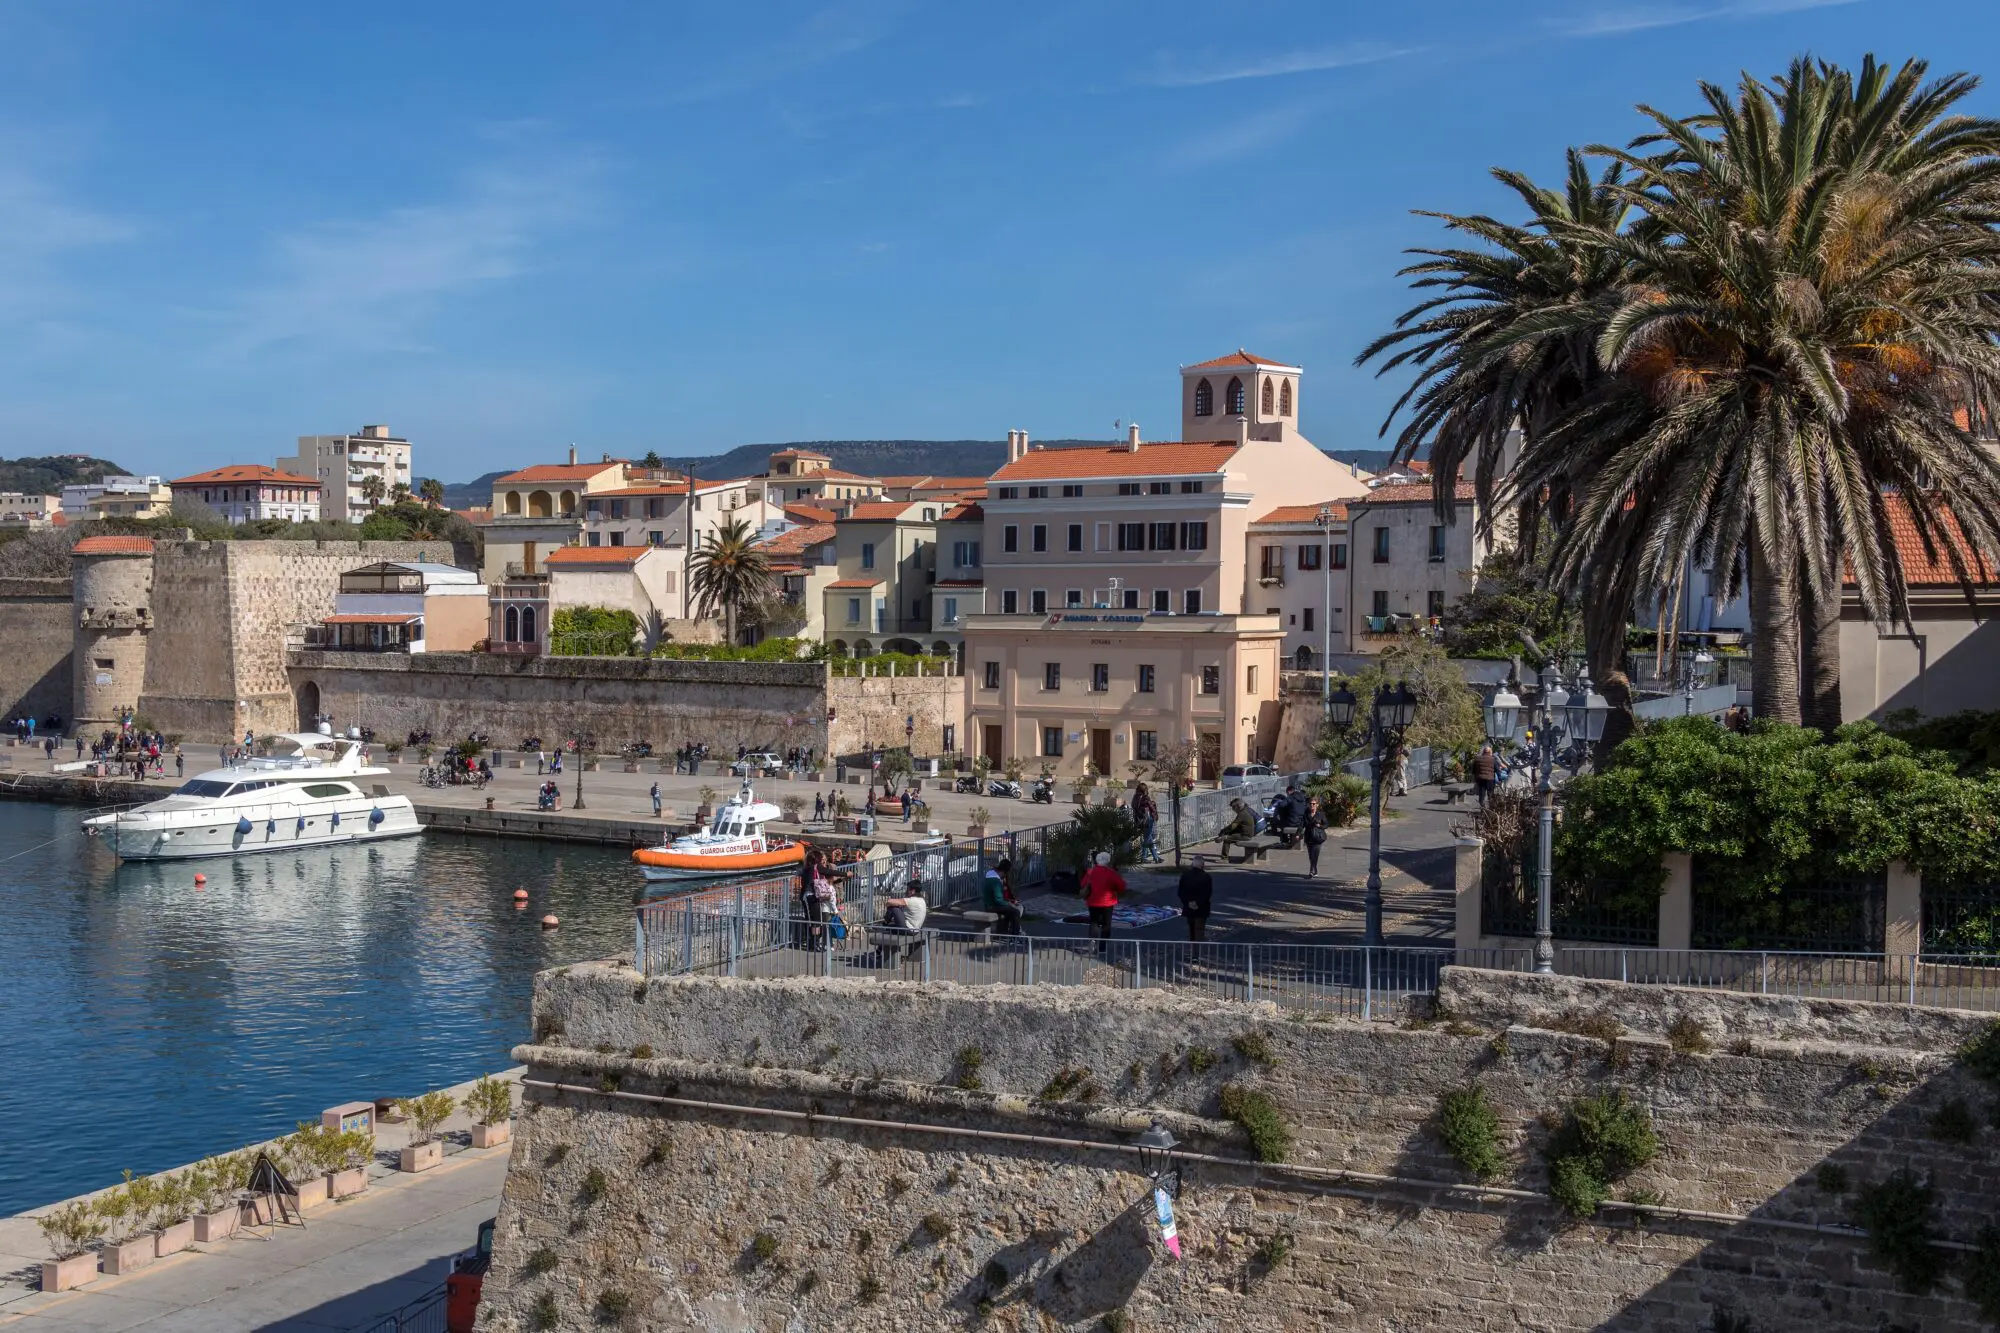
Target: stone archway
[[309, 709]]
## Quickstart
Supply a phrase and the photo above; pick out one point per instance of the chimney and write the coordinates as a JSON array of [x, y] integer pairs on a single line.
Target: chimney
[[572, 455], [1243, 430], [1132, 438]]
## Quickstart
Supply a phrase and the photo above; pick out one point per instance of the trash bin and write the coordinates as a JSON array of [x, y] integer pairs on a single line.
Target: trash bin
[[864, 824]]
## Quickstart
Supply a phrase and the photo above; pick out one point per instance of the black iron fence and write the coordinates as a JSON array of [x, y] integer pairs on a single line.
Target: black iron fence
[[1595, 911], [1961, 917], [1831, 914]]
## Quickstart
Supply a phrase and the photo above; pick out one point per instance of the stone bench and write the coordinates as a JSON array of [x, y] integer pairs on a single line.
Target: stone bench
[[986, 921], [1456, 792], [1254, 849]]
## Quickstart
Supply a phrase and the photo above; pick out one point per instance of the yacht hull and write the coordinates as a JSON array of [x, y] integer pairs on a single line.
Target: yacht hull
[[180, 838]]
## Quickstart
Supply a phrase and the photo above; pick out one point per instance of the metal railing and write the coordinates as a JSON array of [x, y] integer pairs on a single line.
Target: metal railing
[[423, 1315], [1357, 981], [1949, 981]]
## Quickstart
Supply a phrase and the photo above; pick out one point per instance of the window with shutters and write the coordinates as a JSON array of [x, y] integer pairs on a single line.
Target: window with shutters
[[1162, 537], [1194, 536], [1131, 536], [1040, 537], [1051, 675], [1204, 399], [1076, 536], [1268, 397], [1237, 406], [992, 676]]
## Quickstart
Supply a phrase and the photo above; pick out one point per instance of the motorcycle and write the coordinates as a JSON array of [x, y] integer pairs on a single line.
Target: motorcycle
[[430, 778], [1004, 787], [1044, 792], [965, 785]]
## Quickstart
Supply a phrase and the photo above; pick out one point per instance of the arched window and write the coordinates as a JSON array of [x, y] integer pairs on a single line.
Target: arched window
[[513, 624], [513, 502], [528, 634], [1236, 399], [1204, 399], [1267, 397], [1285, 399]]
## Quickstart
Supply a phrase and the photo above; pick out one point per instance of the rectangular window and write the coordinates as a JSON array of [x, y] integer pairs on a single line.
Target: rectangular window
[[951, 610], [1437, 543], [1434, 604], [1100, 677], [1194, 536], [1038, 492], [868, 555], [1159, 488], [1145, 745], [1131, 599], [1010, 539], [1128, 488], [1161, 537], [992, 675], [916, 610], [1051, 675], [1131, 536], [1038, 602], [1381, 603], [1052, 742], [1010, 602], [1006, 493], [1074, 597], [1191, 487], [592, 538], [1340, 555], [1271, 563], [1307, 627], [1145, 680], [1211, 680], [854, 610], [1162, 601], [1103, 536], [1076, 536], [1072, 491], [656, 538], [1192, 603], [1309, 556], [1381, 546], [1250, 680], [617, 539], [1040, 537]]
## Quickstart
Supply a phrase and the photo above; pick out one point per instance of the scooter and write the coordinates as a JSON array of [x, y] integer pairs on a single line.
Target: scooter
[[1043, 792], [1004, 787]]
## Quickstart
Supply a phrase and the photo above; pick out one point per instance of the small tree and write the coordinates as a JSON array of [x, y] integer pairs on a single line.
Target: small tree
[[1094, 829], [427, 1113], [491, 1101], [895, 767], [72, 1229]]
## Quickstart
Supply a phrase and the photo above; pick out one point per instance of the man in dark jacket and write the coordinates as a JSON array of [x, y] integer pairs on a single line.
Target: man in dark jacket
[[1197, 895]]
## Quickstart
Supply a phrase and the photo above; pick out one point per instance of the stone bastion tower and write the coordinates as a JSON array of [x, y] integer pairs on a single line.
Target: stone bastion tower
[[112, 592]]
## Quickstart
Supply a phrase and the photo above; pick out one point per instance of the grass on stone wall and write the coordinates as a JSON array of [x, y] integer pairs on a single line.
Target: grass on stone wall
[[543, 1314], [1687, 1036], [1899, 1215], [1601, 1140], [969, 1059], [1471, 1131], [1270, 1137], [1252, 1046]]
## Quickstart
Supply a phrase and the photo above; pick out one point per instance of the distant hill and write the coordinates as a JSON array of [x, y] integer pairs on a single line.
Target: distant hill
[[47, 476]]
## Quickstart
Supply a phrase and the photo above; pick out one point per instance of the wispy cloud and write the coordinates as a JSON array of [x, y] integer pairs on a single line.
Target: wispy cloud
[[40, 229], [1613, 21], [370, 282], [1166, 74]]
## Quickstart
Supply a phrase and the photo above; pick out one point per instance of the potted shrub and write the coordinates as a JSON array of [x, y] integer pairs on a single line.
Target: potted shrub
[[706, 810], [302, 1156], [70, 1231], [426, 1114], [1013, 768], [793, 808], [394, 749], [491, 1103], [216, 1182], [351, 1151], [127, 1211], [977, 828], [173, 1213]]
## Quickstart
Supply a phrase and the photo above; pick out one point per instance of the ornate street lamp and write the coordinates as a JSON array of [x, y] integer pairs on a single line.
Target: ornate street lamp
[[1395, 709], [1340, 706], [1156, 1158], [577, 804]]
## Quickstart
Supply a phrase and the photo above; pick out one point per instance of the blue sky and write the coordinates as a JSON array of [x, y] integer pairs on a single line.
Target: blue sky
[[505, 227]]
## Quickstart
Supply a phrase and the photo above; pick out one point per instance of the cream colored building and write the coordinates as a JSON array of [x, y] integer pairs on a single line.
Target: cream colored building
[[1297, 570], [1156, 533], [961, 576], [1946, 660], [803, 560], [804, 474], [1404, 564], [118, 497], [344, 463], [539, 509], [658, 514], [880, 601], [32, 511], [641, 579]]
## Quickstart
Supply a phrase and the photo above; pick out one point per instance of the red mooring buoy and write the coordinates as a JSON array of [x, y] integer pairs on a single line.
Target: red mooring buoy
[[200, 880], [520, 895], [549, 922]]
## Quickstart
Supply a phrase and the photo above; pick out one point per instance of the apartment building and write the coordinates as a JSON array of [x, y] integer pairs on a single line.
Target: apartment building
[[666, 515], [1115, 615], [880, 601], [805, 474], [248, 492], [1297, 570], [345, 463], [34, 511], [961, 576], [540, 509], [118, 497], [1407, 564], [803, 560]]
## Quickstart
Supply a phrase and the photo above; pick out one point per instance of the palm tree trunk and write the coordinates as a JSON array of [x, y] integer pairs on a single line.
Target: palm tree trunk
[[1819, 701], [1774, 632], [1607, 610]]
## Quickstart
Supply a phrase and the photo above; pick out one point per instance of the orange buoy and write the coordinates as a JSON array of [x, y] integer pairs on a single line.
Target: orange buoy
[[520, 895], [549, 922], [201, 879]]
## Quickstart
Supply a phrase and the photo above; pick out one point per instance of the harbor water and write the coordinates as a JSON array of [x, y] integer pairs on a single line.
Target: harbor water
[[150, 1021]]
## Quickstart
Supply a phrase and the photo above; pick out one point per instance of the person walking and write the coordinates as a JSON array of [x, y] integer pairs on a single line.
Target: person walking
[[656, 800], [1485, 765], [180, 762], [1312, 831], [1146, 813], [541, 762], [819, 807], [1197, 892], [1101, 889]]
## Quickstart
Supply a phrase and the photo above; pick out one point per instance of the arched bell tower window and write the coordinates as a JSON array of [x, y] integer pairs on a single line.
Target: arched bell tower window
[[1204, 399], [1267, 396], [1236, 399], [513, 624], [1285, 399]]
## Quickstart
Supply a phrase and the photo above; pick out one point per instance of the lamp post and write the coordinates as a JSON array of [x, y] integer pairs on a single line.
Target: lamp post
[[1556, 713], [577, 804], [1394, 709], [1691, 664], [1324, 520], [1156, 1158]]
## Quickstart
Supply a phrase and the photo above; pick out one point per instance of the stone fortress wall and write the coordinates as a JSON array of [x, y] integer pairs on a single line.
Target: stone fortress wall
[[35, 637], [817, 1162], [113, 599]]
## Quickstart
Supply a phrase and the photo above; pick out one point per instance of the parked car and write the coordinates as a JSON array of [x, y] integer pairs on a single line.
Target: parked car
[[1236, 774], [755, 763]]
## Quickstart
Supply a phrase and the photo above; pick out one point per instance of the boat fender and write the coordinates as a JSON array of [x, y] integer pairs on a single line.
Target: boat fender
[[302, 824], [336, 819], [270, 827], [243, 823], [375, 816]]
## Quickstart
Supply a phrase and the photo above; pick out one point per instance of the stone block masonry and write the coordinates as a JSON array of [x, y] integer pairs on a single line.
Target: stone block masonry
[[873, 711], [614, 700], [35, 632], [770, 1155]]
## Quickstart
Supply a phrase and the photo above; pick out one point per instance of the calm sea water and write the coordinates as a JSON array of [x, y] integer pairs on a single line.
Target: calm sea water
[[148, 1022]]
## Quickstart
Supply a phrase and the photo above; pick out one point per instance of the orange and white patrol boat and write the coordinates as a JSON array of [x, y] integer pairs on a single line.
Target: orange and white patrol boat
[[733, 843]]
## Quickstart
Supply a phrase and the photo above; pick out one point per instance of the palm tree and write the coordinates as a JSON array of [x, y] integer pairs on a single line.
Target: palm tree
[[728, 572], [1809, 317], [1508, 344], [432, 490], [372, 489]]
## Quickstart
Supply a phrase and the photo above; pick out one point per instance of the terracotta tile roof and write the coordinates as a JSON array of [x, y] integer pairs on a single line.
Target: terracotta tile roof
[[558, 472], [879, 511], [855, 583], [795, 541], [963, 513], [1164, 459], [1239, 357], [403, 619], [237, 473], [1301, 513], [799, 513], [1921, 569], [904, 481], [595, 555], [113, 546], [1414, 492]]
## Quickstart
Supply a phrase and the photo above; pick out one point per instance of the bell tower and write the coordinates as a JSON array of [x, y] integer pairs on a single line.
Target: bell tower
[[1264, 393]]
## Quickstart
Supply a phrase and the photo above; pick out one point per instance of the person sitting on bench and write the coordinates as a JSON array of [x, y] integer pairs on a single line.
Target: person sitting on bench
[[1240, 829], [996, 887], [904, 917]]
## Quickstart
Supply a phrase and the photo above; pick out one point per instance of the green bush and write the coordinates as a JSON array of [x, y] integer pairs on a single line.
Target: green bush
[[1093, 829], [1898, 1214], [768, 650], [593, 631], [1270, 1137], [1471, 1131], [1343, 798], [1602, 1139], [1982, 1054]]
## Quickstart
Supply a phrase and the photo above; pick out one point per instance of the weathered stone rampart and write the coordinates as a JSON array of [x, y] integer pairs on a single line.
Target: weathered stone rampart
[[35, 632], [834, 1154], [872, 711], [614, 700]]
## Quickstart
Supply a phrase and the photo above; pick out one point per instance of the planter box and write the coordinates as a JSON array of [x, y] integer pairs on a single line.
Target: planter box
[[254, 1212], [62, 1274], [212, 1227], [346, 1184], [312, 1193], [590, 766], [174, 1239], [631, 768], [128, 1256], [422, 1157], [492, 1136], [975, 830]]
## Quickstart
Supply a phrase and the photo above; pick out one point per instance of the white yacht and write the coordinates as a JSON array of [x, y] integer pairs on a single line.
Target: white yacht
[[312, 793]]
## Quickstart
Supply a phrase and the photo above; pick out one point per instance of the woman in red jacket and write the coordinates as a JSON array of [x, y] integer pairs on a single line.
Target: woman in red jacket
[[1101, 887]]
